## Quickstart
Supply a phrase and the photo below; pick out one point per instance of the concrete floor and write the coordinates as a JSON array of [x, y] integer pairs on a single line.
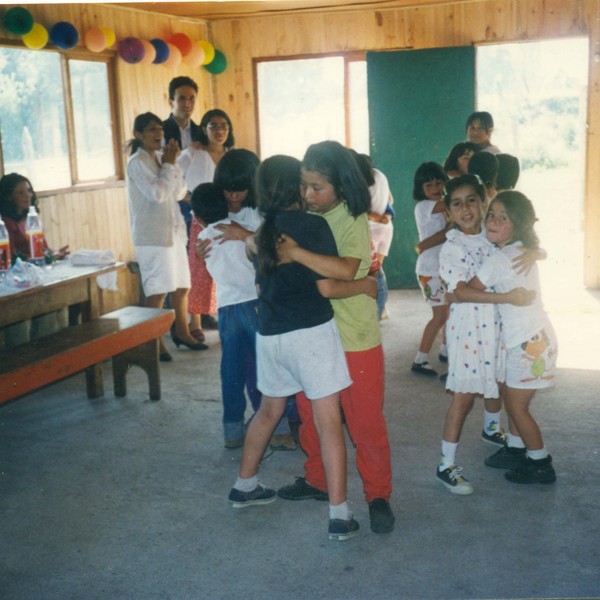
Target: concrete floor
[[126, 498]]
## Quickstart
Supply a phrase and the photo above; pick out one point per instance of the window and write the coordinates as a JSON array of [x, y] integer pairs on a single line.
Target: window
[[56, 121], [307, 100]]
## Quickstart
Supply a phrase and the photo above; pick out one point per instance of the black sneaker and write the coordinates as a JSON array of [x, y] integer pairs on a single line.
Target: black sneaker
[[495, 439], [423, 368], [381, 516], [301, 490], [259, 495], [452, 479], [507, 458], [443, 358], [340, 530], [533, 471]]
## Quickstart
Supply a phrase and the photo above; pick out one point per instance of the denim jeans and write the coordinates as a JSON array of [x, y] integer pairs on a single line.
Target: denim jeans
[[382, 292]]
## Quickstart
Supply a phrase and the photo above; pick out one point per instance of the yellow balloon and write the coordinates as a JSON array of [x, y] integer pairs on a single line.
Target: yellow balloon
[[37, 38], [209, 51], [111, 38]]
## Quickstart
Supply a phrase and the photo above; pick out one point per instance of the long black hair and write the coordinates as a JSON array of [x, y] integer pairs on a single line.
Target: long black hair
[[8, 183], [427, 171], [336, 163], [277, 189], [139, 124], [451, 163], [521, 214], [202, 135], [236, 172]]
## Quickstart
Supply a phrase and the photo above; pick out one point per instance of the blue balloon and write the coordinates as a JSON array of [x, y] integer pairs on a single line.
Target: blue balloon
[[162, 51], [64, 35]]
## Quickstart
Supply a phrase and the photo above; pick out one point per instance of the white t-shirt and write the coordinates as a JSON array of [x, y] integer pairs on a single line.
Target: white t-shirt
[[381, 233], [519, 323], [229, 266], [428, 223], [248, 218], [197, 166]]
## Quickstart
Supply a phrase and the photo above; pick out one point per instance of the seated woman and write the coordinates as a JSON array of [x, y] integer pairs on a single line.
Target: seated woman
[[16, 196]]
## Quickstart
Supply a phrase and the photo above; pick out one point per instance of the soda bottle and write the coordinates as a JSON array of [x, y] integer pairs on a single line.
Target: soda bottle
[[35, 236], [4, 248]]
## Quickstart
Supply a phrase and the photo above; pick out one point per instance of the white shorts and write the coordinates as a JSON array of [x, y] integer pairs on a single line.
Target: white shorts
[[310, 360], [163, 269], [434, 291], [532, 364]]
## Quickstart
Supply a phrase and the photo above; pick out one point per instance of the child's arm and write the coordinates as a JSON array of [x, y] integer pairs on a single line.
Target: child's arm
[[334, 288], [334, 267], [232, 231], [474, 291], [433, 240], [524, 262]]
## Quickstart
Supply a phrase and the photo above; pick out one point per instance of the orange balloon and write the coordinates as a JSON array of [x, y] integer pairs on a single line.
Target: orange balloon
[[111, 38], [209, 51], [150, 54], [181, 41], [95, 40], [196, 56], [174, 59]]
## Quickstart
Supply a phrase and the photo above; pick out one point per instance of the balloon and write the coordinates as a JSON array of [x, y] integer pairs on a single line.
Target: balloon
[[37, 38], [181, 41], [18, 20], [218, 64], [196, 56], [209, 51], [111, 38], [95, 39], [162, 50], [131, 50], [150, 54], [174, 59], [64, 35]]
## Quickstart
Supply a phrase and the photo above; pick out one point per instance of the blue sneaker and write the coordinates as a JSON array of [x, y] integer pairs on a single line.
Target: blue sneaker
[[259, 495], [340, 530]]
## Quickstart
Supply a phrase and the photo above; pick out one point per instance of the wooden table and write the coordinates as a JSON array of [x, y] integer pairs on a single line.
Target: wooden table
[[63, 285]]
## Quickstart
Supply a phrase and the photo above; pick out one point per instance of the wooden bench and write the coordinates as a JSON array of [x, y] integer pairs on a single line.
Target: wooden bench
[[130, 336]]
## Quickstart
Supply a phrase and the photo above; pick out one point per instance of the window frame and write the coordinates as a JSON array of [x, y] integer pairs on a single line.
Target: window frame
[[107, 58], [349, 57]]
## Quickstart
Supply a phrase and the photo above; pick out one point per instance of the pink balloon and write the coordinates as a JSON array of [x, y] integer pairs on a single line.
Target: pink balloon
[[150, 54], [174, 59], [95, 40], [195, 57]]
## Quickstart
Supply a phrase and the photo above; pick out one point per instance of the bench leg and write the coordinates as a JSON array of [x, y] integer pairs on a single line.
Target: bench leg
[[94, 381], [144, 356]]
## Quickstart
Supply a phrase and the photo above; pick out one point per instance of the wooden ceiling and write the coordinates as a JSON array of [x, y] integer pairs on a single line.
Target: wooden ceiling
[[234, 9]]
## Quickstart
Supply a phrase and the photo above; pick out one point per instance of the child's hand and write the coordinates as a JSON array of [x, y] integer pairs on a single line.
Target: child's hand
[[285, 249], [520, 296], [203, 249], [371, 287], [526, 260], [170, 152], [232, 231]]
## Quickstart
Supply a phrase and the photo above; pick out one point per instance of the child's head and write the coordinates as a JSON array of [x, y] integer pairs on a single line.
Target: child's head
[[458, 159], [485, 166], [277, 189], [508, 172], [235, 175], [208, 204], [511, 218], [465, 197], [330, 175], [479, 128], [213, 122], [16, 196], [429, 182]]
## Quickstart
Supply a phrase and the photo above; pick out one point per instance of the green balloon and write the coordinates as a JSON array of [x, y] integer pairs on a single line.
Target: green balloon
[[18, 20], [218, 63]]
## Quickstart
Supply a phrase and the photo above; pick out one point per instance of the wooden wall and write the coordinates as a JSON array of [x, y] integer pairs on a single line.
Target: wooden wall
[[456, 24]]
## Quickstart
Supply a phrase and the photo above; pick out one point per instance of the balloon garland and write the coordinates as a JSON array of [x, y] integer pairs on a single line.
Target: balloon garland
[[178, 48]]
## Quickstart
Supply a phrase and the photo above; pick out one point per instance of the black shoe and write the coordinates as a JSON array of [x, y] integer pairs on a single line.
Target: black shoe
[[507, 458], [423, 368], [340, 530], [533, 471], [495, 439], [208, 322], [443, 358], [381, 516], [301, 490], [259, 495], [179, 342], [443, 377], [233, 444], [165, 357]]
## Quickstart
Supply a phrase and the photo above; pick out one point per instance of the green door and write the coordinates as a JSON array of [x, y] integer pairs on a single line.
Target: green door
[[419, 101]]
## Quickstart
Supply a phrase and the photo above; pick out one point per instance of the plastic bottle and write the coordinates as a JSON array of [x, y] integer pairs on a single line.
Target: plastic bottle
[[4, 248], [35, 236]]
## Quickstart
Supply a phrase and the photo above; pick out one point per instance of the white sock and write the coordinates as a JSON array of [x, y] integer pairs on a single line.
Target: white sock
[[538, 454], [491, 422], [514, 441], [246, 485], [443, 349], [421, 357], [448, 455], [340, 511]]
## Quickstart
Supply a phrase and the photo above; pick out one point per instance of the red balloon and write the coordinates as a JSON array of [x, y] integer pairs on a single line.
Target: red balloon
[[182, 41]]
